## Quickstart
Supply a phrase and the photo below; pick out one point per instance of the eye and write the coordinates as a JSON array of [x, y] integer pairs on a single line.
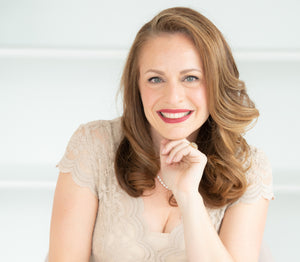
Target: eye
[[155, 80], [191, 78]]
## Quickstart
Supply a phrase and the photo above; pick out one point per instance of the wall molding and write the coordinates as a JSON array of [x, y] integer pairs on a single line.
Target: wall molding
[[120, 54], [64, 53], [27, 184]]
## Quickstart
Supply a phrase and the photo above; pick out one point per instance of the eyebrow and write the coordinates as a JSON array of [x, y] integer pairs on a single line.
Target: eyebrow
[[182, 72]]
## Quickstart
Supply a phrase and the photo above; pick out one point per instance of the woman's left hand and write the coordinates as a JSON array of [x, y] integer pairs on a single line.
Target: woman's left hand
[[182, 166]]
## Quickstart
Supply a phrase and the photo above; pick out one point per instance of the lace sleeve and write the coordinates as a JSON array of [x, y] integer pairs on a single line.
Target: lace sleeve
[[79, 159], [259, 178]]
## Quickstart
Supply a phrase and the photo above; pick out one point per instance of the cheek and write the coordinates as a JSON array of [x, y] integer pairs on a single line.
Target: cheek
[[149, 98], [199, 97]]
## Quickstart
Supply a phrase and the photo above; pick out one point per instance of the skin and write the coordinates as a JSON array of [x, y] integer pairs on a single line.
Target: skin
[[72, 223], [171, 77]]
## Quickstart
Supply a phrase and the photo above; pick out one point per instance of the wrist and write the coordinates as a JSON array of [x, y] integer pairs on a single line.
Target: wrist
[[188, 199]]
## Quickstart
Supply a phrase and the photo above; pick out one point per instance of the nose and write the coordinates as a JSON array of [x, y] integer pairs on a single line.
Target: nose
[[174, 93]]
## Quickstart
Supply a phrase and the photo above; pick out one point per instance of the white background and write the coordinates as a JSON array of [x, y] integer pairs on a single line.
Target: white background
[[60, 66]]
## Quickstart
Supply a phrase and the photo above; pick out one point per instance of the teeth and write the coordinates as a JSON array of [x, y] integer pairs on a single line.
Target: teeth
[[176, 115]]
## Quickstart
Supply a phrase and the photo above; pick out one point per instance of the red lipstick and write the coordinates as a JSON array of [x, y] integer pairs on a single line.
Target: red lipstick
[[174, 115]]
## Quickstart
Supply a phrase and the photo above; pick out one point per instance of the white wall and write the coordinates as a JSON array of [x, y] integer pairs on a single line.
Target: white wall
[[46, 91], [60, 66]]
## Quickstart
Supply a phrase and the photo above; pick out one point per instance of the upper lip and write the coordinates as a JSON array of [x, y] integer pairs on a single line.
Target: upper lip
[[174, 111]]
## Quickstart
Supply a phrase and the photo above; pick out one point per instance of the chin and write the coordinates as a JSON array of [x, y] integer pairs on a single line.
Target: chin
[[176, 136]]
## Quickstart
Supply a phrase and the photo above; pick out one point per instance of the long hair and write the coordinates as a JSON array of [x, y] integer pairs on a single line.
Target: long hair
[[220, 138]]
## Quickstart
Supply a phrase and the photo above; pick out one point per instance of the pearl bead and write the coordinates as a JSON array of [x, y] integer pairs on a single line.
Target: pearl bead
[[162, 182]]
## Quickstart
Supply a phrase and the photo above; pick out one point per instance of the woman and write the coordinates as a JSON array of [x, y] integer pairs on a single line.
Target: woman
[[173, 179]]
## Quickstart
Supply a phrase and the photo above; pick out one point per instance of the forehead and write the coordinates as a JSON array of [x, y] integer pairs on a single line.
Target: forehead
[[168, 49]]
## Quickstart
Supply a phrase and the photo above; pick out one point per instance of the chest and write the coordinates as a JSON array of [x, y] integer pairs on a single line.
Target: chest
[[158, 214], [146, 228], [143, 228]]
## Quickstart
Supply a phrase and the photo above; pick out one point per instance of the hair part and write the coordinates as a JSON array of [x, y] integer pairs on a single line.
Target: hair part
[[231, 110]]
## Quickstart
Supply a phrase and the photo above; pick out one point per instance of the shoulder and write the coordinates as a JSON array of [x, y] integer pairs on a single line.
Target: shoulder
[[103, 130], [259, 165], [104, 135], [259, 177], [100, 125]]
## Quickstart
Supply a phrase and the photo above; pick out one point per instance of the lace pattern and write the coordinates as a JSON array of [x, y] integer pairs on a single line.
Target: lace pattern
[[259, 178], [119, 225], [79, 160]]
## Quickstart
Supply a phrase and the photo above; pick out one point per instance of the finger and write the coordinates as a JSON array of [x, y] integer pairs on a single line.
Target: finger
[[163, 143], [194, 156], [174, 151], [166, 148]]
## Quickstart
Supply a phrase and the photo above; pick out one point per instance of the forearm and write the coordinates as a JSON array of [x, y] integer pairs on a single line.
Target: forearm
[[201, 239]]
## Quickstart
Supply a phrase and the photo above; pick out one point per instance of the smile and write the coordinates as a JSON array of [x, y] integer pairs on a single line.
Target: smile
[[174, 115]]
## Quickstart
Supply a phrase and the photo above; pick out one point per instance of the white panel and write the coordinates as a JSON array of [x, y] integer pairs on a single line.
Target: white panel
[[274, 87], [43, 101], [25, 224], [91, 23], [282, 228]]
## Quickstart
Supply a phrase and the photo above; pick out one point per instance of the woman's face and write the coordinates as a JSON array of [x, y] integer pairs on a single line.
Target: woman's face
[[172, 87]]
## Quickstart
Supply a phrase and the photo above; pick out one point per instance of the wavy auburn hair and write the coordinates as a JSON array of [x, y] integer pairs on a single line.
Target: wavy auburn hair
[[220, 138]]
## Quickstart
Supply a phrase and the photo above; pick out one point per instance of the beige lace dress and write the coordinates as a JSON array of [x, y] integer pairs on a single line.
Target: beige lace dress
[[120, 233]]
